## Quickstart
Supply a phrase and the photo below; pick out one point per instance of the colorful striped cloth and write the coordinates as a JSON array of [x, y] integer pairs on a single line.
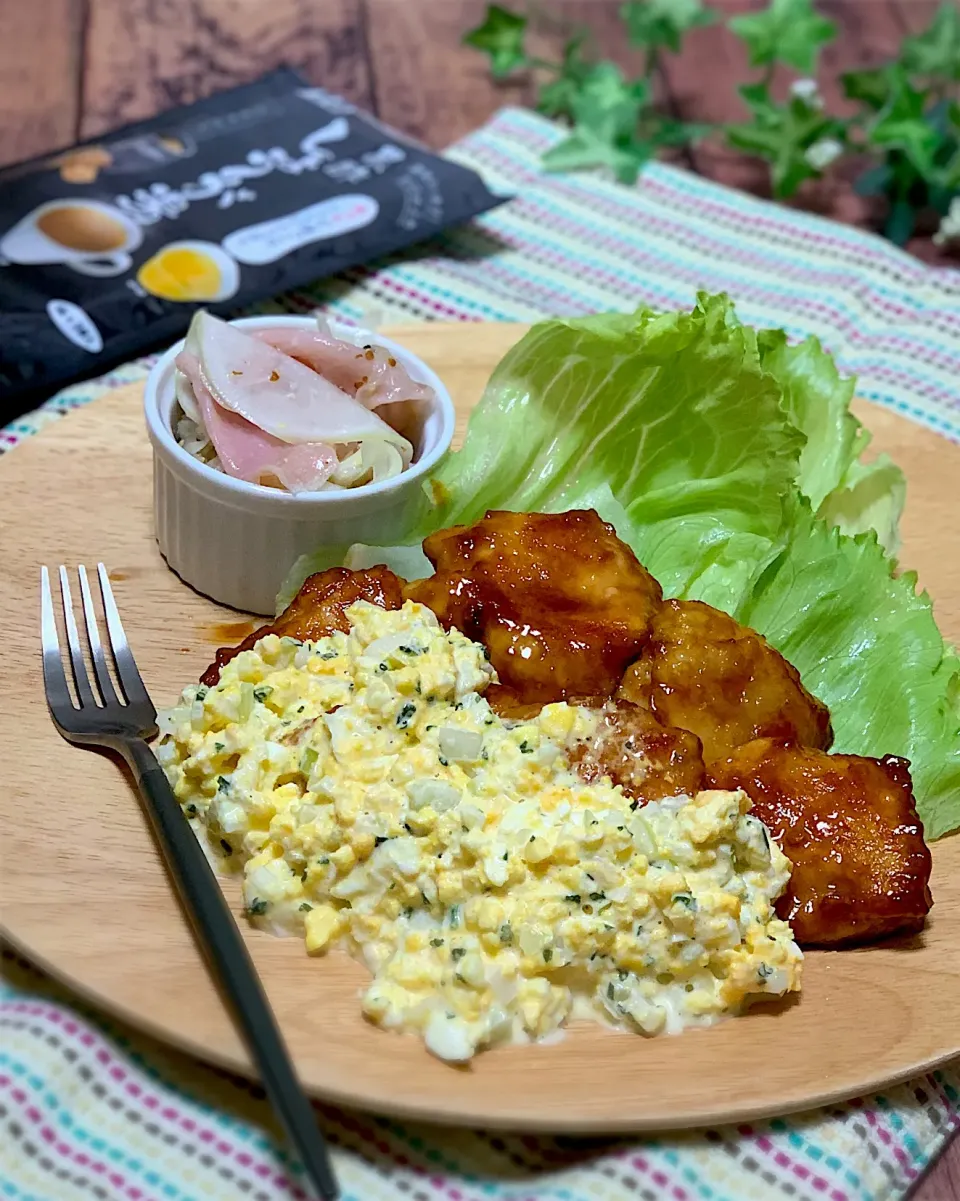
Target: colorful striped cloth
[[89, 1109]]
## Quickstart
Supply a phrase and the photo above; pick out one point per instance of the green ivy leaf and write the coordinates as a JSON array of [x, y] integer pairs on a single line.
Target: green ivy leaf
[[584, 149], [789, 31], [871, 87], [797, 138], [653, 24], [557, 96], [754, 139], [606, 109], [670, 132], [501, 36], [757, 98], [902, 125], [936, 51], [608, 104], [919, 145], [615, 128], [623, 158]]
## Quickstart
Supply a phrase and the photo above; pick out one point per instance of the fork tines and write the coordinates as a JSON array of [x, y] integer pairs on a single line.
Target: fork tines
[[131, 687]]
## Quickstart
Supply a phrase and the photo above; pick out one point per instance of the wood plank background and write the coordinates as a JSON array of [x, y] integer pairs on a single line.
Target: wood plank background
[[74, 68]]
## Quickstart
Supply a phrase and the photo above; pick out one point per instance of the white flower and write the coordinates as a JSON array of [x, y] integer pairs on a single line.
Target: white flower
[[806, 89], [821, 154], [950, 225]]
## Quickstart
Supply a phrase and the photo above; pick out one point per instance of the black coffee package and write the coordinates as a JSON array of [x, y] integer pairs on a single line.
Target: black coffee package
[[107, 249]]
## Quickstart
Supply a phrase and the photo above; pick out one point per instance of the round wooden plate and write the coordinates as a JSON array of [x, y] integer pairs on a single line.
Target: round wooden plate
[[83, 891]]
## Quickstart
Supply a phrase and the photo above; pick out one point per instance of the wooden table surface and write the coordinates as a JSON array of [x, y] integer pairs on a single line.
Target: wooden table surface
[[71, 69]]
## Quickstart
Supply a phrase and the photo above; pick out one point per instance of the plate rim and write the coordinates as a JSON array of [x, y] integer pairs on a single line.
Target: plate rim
[[334, 1096]]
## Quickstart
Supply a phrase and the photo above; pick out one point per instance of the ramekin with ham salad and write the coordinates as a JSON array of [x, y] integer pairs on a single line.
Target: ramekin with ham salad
[[274, 436]]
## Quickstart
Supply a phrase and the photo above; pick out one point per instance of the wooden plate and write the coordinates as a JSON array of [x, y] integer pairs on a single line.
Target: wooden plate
[[83, 891]]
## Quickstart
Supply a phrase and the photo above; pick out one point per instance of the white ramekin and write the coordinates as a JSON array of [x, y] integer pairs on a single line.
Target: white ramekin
[[234, 541]]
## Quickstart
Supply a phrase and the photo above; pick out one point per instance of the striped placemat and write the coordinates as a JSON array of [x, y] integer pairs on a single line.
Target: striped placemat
[[89, 1109]]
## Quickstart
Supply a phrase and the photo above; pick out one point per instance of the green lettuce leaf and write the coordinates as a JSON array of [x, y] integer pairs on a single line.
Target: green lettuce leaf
[[866, 643], [816, 400], [409, 562], [842, 489], [672, 411], [869, 497]]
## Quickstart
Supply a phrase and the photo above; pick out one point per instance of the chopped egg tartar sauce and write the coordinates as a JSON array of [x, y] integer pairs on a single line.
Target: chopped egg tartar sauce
[[374, 801]]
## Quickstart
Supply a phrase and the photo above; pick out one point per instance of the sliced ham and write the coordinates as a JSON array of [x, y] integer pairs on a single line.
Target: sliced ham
[[249, 453], [371, 373], [305, 467], [268, 388]]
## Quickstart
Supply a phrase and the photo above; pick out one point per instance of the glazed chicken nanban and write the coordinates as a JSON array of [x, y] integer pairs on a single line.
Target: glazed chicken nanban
[[849, 826], [561, 604], [319, 608], [704, 672]]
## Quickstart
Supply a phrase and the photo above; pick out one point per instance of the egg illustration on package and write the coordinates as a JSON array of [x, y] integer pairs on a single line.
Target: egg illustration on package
[[190, 272]]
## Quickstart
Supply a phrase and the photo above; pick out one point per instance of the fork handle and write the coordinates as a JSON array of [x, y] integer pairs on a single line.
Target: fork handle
[[217, 932]]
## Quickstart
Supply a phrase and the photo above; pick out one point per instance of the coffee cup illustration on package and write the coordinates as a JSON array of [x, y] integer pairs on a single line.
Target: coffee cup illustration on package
[[91, 237], [107, 248]]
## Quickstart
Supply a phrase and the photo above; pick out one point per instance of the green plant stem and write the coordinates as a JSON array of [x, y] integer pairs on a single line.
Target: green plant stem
[[652, 62]]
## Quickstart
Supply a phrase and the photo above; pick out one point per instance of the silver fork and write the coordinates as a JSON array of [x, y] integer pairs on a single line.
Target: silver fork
[[122, 722]]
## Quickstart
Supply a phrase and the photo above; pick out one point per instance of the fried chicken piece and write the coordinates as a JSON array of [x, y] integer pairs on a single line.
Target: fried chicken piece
[[648, 760], [704, 672], [849, 825], [561, 604], [319, 608]]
